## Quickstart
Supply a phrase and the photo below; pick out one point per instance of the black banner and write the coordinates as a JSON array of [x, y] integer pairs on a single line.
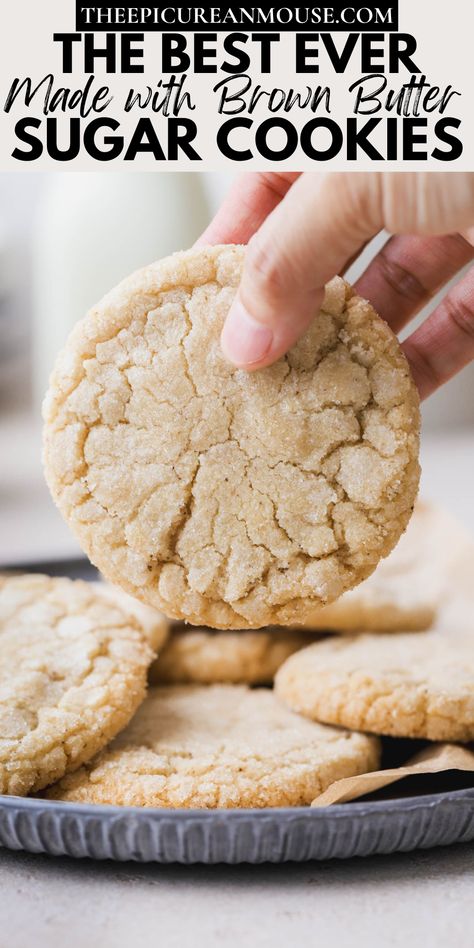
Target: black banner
[[379, 16]]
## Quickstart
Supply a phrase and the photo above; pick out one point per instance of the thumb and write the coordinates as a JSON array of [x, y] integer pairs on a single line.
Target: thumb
[[322, 222]]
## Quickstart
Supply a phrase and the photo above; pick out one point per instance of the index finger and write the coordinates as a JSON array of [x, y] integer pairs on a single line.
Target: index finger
[[249, 202]]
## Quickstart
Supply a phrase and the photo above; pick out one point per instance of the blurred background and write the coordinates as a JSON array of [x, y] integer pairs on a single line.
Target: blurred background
[[65, 239]]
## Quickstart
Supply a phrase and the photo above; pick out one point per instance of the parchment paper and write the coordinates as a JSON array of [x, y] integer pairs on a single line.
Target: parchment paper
[[431, 760]]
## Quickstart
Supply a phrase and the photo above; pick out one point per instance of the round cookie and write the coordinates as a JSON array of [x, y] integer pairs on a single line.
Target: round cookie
[[218, 746], [401, 684], [207, 657], [153, 624], [226, 498], [409, 586], [72, 673]]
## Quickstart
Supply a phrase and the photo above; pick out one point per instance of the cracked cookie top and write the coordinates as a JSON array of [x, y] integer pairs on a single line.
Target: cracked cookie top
[[403, 684], [218, 746], [407, 589], [225, 498], [72, 673], [209, 656], [154, 625]]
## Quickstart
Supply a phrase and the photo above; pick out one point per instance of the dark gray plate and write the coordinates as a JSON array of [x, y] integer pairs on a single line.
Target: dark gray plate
[[236, 836]]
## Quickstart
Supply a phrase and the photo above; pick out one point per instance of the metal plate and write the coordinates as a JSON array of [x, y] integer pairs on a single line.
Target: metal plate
[[237, 836]]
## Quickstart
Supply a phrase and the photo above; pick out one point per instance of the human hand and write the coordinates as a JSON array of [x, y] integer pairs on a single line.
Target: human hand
[[301, 229]]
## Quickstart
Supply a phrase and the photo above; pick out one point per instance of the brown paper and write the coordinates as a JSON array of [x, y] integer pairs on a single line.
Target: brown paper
[[431, 760]]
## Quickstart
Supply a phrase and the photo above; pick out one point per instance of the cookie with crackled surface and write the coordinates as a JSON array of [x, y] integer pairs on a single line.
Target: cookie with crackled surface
[[72, 673], [194, 655], [154, 625], [402, 684], [218, 746], [408, 588], [224, 498]]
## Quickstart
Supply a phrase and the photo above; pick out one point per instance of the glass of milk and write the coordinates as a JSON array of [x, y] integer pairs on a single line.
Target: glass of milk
[[92, 230]]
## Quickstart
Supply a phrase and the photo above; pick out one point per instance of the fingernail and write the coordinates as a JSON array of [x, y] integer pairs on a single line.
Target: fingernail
[[243, 340]]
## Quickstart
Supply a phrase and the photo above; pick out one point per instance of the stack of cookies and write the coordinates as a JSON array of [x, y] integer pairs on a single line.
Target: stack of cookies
[[251, 510]]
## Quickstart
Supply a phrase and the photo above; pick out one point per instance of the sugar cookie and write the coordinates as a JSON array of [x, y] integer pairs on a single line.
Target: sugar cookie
[[72, 673], [226, 498], [218, 746]]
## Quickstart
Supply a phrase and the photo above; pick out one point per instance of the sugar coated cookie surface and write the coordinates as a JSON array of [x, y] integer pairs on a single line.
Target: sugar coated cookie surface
[[203, 656], [72, 673], [408, 587], [227, 498], [218, 746], [401, 684], [153, 624]]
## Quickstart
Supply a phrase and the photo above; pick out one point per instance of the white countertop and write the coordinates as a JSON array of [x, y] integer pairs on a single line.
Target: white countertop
[[403, 900], [406, 900]]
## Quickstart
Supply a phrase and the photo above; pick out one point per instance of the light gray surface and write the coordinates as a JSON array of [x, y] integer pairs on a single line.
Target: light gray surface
[[405, 900]]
